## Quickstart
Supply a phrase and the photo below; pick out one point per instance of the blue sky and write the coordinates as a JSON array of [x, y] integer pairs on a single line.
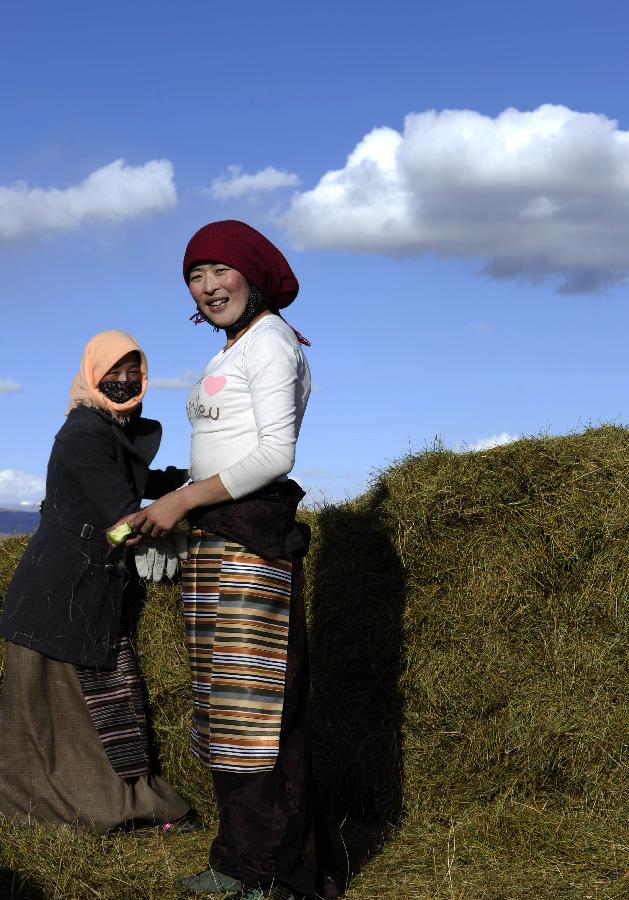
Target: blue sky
[[463, 275]]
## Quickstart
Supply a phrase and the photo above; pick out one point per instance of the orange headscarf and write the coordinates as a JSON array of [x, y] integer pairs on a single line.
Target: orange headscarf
[[101, 353]]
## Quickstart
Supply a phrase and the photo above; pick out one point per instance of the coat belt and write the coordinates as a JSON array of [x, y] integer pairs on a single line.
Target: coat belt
[[84, 530]]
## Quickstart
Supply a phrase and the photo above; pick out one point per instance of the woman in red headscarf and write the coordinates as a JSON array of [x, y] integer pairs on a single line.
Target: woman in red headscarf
[[242, 582]]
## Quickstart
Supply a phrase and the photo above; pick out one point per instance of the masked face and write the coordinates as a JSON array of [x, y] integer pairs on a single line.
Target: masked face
[[120, 391], [124, 380]]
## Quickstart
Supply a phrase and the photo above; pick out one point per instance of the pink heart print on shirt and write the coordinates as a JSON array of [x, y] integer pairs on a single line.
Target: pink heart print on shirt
[[213, 384]]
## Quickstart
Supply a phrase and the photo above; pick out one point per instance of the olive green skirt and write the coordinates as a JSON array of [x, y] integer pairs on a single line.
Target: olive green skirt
[[53, 767]]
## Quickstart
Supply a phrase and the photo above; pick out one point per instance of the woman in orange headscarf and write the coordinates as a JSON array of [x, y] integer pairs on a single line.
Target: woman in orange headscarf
[[73, 744]]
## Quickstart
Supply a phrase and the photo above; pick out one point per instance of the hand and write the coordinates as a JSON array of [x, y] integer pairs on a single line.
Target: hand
[[159, 519], [131, 540]]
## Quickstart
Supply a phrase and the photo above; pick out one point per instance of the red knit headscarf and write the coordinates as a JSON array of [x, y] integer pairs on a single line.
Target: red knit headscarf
[[242, 247]]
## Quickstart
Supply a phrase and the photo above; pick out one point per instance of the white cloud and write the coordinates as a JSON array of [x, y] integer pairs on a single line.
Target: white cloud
[[486, 443], [532, 194], [238, 183], [9, 386], [115, 192], [20, 488], [174, 383]]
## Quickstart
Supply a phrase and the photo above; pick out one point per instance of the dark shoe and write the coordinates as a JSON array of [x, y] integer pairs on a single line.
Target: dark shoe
[[185, 825], [139, 829], [251, 894], [279, 892], [211, 881], [276, 892]]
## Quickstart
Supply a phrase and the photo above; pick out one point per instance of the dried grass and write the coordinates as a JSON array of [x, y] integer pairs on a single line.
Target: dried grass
[[469, 649]]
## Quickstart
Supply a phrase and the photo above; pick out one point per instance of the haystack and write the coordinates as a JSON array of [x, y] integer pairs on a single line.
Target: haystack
[[469, 635]]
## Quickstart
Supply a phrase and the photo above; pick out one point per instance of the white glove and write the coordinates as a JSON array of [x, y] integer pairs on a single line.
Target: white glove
[[156, 557]]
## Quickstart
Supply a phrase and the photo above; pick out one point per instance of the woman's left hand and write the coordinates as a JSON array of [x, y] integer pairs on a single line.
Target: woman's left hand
[[159, 519]]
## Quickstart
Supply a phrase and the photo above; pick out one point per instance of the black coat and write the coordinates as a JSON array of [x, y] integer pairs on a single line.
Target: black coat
[[65, 599]]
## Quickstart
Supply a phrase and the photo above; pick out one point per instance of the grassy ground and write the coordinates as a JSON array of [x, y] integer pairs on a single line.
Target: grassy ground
[[469, 637]]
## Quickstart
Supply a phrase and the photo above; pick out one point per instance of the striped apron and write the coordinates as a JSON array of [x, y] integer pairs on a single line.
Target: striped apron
[[236, 613], [114, 700]]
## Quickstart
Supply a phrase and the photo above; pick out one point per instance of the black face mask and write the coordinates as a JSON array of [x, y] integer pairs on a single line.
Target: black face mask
[[120, 391]]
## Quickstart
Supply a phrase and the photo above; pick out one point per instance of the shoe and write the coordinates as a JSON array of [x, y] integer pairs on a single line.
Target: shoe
[[276, 892], [211, 881], [185, 825], [251, 894], [279, 892]]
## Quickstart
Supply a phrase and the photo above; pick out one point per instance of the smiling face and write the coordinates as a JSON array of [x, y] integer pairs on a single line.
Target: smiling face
[[220, 292]]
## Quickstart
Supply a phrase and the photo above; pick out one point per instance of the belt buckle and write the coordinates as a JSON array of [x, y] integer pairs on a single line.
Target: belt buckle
[[87, 531]]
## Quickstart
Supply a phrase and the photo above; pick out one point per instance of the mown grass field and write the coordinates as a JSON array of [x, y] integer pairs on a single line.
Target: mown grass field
[[469, 624]]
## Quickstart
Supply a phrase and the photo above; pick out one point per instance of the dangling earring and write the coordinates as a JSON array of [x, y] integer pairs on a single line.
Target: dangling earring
[[198, 319]]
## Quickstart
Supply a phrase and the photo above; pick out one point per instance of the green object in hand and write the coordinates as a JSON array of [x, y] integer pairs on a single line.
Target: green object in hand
[[120, 533]]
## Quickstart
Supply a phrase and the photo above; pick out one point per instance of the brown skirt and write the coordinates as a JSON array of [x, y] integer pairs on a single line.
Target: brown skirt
[[53, 766]]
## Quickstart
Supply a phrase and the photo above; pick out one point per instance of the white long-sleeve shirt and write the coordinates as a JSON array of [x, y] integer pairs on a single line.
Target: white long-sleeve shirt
[[247, 407]]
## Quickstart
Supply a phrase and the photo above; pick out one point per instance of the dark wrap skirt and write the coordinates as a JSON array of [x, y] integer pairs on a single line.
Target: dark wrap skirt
[[247, 640]]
